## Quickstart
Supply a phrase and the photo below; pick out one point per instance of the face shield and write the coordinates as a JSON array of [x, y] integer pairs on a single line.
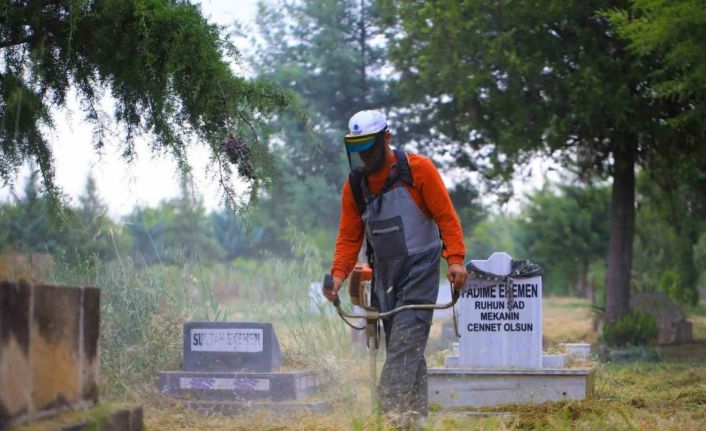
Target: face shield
[[366, 154]]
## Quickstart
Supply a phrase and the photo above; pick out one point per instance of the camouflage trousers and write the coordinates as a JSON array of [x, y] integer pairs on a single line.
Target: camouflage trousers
[[403, 383]]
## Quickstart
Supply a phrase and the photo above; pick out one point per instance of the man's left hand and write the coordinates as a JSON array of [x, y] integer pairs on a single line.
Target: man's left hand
[[457, 276]]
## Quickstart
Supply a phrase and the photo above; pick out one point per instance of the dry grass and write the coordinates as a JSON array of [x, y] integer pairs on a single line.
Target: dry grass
[[567, 320], [699, 323], [670, 395]]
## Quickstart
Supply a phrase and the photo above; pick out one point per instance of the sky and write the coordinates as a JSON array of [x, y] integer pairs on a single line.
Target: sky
[[151, 178]]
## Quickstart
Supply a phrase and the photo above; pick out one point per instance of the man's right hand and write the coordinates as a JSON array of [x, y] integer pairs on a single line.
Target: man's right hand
[[330, 294]]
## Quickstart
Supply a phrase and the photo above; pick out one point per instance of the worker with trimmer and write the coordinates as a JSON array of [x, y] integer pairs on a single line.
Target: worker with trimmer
[[399, 205]]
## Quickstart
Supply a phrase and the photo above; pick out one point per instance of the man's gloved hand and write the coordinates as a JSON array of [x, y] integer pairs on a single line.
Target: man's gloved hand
[[457, 276], [331, 294]]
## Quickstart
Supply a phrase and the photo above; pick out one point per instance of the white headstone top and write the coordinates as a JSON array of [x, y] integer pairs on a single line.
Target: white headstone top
[[493, 335]]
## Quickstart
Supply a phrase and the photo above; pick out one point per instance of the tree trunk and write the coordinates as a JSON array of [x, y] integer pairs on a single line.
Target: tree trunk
[[622, 230], [585, 289], [363, 44]]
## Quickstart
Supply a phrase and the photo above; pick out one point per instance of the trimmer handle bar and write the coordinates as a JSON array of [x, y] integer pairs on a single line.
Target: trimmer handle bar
[[374, 315]]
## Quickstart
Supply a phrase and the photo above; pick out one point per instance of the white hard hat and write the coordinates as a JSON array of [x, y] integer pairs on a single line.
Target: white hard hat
[[366, 123]]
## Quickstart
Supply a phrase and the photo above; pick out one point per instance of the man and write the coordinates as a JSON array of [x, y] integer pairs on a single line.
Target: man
[[399, 204]]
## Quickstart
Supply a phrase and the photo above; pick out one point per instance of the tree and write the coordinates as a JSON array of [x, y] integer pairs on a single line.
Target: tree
[[670, 36], [505, 81], [232, 233], [165, 66], [92, 232], [566, 231], [670, 219], [324, 51], [177, 230], [496, 233], [672, 33], [466, 200], [32, 227]]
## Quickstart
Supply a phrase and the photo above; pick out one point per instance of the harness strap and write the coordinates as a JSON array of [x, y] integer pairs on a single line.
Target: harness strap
[[399, 171]]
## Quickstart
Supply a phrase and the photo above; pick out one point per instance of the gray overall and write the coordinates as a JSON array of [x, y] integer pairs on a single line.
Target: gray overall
[[407, 251]]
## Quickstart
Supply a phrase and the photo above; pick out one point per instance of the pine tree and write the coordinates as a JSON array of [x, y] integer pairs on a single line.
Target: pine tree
[[165, 66]]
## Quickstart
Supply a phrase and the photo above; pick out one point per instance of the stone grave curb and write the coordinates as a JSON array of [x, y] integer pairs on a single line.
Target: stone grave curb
[[471, 388], [232, 408], [127, 419], [277, 386], [113, 418]]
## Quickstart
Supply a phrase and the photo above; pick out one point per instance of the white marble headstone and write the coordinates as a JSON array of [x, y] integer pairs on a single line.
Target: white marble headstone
[[493, 336]]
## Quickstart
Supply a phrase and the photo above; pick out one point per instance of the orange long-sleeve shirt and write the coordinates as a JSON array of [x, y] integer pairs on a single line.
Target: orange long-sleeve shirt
[[430, 195]]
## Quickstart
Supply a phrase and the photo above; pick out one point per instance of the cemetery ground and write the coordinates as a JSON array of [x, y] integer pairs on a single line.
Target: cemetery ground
[[143, 312], [670, 394]]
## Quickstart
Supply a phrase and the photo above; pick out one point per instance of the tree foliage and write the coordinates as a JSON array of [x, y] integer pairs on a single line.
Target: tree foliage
[[80, 234], [673, 33], [566, 231], [505, 81], [175, 232], [330, 53], [166, 68], [670, 220], [325, 52]]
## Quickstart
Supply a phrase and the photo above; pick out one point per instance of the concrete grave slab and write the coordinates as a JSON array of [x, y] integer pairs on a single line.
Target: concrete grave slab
[[239, 386], [231, 347], [470, 388], [277, 409], [15, 372], [90, 361], [54, 346], [49, 355]]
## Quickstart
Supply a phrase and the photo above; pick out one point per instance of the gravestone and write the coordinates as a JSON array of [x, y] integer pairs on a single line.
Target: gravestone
[[231, 346], [228, 365], [499, 359], [671, 322], [49, 356], [495, 332]]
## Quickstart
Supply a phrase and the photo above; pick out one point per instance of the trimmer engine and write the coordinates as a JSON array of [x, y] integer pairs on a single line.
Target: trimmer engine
[[360, 285]]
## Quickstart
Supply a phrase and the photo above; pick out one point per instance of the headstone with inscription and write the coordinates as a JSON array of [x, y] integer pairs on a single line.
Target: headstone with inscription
[[499, 358], [231, 346], [499, 327], [230, 365]]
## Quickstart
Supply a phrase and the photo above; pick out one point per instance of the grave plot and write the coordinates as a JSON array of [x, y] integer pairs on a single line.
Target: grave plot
[[49, 348], [499, 356], [233, 367]]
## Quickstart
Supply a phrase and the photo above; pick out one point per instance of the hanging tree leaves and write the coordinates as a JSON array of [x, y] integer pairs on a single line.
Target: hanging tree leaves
[[164, 65]]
